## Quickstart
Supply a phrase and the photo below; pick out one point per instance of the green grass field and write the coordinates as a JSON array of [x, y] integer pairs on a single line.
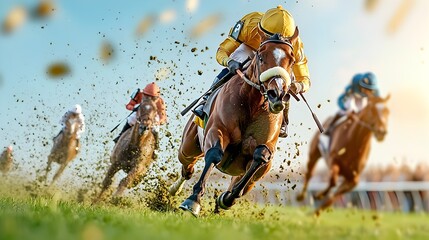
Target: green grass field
[[48, 218]]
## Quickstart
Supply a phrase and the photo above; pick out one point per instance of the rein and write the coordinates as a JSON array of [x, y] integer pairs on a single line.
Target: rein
[[248, 81], [365, 124]]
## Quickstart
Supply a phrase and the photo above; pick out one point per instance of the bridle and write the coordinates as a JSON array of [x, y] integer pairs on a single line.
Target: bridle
[[370, 127], [71, 127], [260, 85], [144, 127]]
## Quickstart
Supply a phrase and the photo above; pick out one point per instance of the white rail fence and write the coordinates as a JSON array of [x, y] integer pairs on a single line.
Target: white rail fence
[[380, 196]]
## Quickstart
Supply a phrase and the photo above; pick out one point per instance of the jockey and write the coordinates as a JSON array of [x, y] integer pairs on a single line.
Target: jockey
[[246, 37], [150, 91], [355, 97], [6, 159], [76, 113]]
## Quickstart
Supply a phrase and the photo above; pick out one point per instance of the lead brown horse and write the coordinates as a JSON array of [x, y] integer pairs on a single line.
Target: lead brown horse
[[133, 153], [65, 148], [349, 149], [243, 127]]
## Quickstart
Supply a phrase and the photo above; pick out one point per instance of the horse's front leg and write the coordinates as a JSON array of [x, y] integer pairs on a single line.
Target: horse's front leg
[[314, 156], [261, 156], [136, 173], [59, 172], [48, 168], [189, 153], [212, 157], [113, 169], [335, 170], [346, 186]]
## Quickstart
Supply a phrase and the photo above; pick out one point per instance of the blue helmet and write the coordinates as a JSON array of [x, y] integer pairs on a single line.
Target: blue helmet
[[355, 82], [369, 81]]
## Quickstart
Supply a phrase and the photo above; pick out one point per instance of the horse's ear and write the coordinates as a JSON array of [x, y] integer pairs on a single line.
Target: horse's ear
[[294, 37], [386, 98]]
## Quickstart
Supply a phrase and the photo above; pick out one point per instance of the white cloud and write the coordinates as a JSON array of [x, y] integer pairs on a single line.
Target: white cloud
[[192, 5], [167, 16]]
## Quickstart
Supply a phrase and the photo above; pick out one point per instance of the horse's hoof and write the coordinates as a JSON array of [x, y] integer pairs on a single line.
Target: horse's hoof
[[319, 197], [300, 197], [191, 206], [220, 201], [316, 213]]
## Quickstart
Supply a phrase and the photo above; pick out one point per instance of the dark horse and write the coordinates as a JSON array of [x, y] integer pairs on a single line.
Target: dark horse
[[349, 149], [243, 127], [134, 151], [65, 147]]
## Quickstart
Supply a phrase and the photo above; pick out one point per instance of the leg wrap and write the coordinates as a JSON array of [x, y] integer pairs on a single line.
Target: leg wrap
[[214, 154], [262, 154]]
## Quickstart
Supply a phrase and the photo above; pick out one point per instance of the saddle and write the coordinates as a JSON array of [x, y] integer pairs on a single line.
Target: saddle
[[207, 106], [325, 140]]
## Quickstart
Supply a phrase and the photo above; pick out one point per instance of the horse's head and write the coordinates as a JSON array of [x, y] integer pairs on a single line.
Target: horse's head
[[146, 113], [375, 115], [273, 68], [71, 125]]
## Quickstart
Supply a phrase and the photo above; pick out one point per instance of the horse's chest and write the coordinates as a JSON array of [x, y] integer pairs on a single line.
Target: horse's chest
[[263, 127]]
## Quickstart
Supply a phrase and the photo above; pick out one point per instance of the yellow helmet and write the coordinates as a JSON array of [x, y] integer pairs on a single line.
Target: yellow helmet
[[277, 20]]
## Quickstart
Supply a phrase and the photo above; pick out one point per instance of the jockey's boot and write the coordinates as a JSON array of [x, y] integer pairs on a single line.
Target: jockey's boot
[[331, 126], [283, 129], [77, 145], [53, 139], [156, 136], [125, 128], [199, 110]]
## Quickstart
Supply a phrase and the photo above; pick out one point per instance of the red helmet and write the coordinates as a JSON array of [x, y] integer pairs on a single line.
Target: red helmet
[[151, 89]]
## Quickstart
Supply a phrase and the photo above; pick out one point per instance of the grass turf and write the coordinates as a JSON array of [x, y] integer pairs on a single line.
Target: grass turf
[[48, 218]]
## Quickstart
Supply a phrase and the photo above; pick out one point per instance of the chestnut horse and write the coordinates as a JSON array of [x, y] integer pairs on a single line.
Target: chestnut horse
[[133, 153], [65, 148], [349, 149], [243, 127]]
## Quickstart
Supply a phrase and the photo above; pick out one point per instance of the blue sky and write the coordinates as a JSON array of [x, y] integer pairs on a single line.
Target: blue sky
[[341, 38]]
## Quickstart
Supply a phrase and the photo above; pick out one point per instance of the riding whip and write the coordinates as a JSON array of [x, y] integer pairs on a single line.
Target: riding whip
[[212, 89], [121, 121], [319, 125]]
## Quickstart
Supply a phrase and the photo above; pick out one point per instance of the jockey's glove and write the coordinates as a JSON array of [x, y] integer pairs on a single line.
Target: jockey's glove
[[296, 87], [233, 65]]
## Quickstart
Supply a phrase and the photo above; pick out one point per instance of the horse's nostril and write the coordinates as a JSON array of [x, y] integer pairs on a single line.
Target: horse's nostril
[[271, 94]]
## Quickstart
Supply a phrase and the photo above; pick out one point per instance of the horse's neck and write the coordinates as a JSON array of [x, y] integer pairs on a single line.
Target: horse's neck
[[359, 131], [250, 95], [135, 134], [144, 138]]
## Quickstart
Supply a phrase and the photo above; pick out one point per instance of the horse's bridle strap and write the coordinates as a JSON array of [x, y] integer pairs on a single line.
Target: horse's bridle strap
[[241, 74], [366, 125]]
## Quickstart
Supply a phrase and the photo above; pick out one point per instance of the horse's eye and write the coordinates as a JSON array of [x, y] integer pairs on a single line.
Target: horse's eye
[[260, 59]]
